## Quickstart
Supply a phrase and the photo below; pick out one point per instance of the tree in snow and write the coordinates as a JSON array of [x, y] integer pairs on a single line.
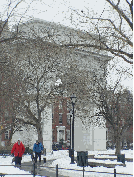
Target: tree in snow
[[122, 109], [115, 105]]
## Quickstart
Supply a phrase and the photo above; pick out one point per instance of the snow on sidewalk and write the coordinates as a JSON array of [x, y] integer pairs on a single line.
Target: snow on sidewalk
[[12, 169], [63, 160], [9, 169]]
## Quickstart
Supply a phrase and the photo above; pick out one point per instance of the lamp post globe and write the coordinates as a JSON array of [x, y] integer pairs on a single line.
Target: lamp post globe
[[73, 98]]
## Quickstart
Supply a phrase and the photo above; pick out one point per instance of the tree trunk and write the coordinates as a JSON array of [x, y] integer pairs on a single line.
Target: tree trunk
[[39, 130], [118, 144]]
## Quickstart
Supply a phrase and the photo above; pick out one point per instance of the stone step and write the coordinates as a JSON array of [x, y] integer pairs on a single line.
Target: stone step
[[108, 165], [107, 154], [104, 164], [111, 158], [91, 156], [92, 161]]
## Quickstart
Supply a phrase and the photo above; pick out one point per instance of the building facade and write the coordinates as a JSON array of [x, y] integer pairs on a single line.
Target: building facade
[[60, 121]]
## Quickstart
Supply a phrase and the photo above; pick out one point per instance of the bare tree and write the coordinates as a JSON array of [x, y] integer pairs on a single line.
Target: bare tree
[[38, 61], [11, 79], [114, 28], [125, 114], [10, 93], [5, 35], [115, 107]]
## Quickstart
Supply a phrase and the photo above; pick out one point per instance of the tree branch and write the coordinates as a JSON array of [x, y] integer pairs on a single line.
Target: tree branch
[[120, 12], [27, 122], [9, 16], [116, 29], [113, 51], [131, 7], [30, 113]]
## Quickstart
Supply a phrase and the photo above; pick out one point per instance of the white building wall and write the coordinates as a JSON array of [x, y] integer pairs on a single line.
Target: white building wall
[[99, 138], [47, 128], [91, 139], [78, 136]]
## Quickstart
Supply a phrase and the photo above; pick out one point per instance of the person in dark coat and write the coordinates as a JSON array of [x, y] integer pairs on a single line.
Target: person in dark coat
[[18, 150], [37, 148]]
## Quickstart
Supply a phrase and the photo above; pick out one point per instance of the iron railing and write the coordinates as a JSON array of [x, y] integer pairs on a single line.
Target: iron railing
[[57, 168]]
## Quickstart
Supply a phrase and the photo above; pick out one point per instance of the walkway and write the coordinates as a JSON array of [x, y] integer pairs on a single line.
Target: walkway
[[43, 171]]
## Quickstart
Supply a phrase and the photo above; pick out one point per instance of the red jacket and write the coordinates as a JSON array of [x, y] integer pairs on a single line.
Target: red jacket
[[18, 150]]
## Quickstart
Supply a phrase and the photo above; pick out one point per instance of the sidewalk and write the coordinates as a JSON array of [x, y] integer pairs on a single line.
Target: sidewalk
[[43, 171]]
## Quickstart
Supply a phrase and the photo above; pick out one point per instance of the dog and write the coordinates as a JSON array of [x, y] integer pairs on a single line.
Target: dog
[[13, 160]]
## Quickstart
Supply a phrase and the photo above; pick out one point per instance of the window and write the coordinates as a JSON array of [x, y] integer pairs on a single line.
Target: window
[[60, 118], [61, 134], [68, 105], [7, 135], [68, 119], [68, 135], [6, 116], [60, 104]]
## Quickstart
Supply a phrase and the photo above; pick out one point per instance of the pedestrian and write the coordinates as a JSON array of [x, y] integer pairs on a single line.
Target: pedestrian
[[18, 150], [37, 148]]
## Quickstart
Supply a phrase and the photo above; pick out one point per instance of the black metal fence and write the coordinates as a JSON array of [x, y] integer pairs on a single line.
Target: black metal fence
[[34, 174], [91, 171]]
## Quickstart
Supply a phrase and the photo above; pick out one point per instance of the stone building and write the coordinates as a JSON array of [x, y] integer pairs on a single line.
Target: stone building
[[53, 40]]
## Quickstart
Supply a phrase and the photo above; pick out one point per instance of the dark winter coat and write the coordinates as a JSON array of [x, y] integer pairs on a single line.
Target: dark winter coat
[[18, 150], [37, 147]]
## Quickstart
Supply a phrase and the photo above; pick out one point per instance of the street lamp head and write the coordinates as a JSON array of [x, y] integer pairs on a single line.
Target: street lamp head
[[73, 98]]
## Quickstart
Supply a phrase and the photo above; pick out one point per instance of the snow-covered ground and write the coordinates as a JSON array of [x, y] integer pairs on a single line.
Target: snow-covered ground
[[62, 159], [12, 169]]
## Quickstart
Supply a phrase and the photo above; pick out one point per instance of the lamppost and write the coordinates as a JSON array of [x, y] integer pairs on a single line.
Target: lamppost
[[70, 132], [73, 99]]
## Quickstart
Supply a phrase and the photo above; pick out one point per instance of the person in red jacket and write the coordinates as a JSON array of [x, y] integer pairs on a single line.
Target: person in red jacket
[[18, 150]]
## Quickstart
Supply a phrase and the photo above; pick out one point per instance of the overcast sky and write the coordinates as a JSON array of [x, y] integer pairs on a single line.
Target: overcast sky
[[53, 10]]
